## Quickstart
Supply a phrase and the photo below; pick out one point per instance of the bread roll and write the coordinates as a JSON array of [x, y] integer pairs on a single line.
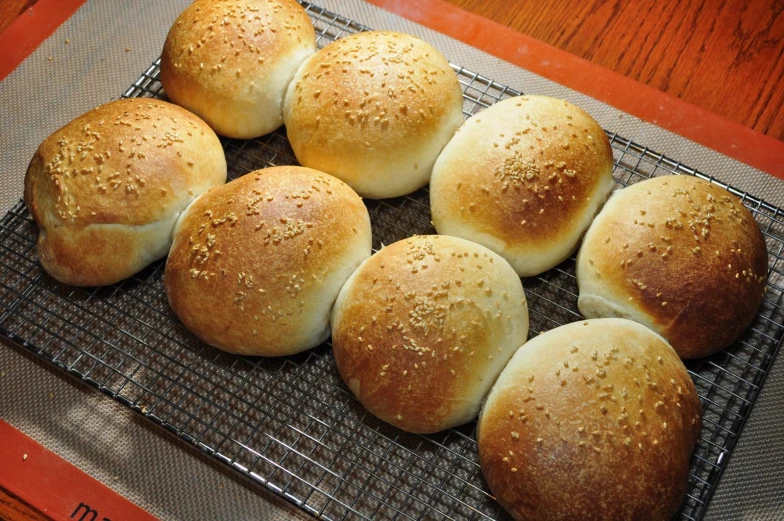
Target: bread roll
[[256, 264], [593, 420], [230, 62], [421, 330], [679, 255], [374, 109], [106, 189], [523, 178]]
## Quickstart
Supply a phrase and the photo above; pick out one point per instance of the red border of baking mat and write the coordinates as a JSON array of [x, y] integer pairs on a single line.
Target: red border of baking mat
[[30, 30], [54, 487], [692, 122]]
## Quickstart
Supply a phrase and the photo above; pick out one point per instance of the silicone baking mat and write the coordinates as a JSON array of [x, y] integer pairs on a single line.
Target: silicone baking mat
[[289, 423]]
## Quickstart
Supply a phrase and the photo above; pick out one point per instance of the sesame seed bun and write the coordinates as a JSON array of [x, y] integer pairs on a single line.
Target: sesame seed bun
[[374, 109], [257, 263], [523, 178], [106, 189], [593, 420], [679, 255], [423, 328], [230, 62]]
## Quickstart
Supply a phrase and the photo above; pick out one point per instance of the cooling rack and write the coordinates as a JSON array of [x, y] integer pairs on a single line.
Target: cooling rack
[[289, 423]]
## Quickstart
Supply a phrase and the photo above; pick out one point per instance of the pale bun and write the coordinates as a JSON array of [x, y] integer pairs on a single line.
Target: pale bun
[[106, 189], [257, 264], [523, 178], [593, 420], [231, 62], [423, 328], [680, 255], [374, 109]]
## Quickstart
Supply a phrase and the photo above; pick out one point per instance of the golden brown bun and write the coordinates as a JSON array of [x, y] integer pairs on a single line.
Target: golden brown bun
[[423, 328], [523, 178], [594, 420], [679, 255], [107, 188], [230, 62], [374, 109], [256, 264]]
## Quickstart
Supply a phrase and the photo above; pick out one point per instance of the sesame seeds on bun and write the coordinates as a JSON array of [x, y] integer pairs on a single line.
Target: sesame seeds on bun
[[106, 189], [523, 178], [374, 109], [423, 328], [230, 61], [680, 255], [594, 420], [257, 264]]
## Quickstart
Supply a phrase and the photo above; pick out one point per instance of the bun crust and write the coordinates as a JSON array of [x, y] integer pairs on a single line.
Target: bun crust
[[257, 264], [374, 109], [593, 420], [230, 62], [422, 329], [524, 178], [106, 189], [679, 255]]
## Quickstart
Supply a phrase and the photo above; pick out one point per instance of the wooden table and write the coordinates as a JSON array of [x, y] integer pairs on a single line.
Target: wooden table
[[726, 58], [14, 509]]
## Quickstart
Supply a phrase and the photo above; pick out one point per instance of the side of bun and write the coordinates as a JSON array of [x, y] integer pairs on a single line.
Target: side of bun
[[256, 264], [524, 178], [680, 255], [106, 189], [374, 109], [231, 62], [421, 330], [593, 420]]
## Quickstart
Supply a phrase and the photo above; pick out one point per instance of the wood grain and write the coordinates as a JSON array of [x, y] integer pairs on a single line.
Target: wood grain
[[726, 56], [10, 10], [14, 509]]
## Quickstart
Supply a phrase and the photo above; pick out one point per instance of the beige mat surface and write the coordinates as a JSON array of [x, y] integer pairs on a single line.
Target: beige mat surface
[[111, 43]]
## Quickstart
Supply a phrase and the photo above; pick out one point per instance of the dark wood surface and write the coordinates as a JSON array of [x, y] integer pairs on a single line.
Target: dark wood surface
[[10, 10], [726, 56], [14, 509]]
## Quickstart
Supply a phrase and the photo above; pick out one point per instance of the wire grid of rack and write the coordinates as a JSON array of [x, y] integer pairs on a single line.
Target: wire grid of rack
[[290, 423]]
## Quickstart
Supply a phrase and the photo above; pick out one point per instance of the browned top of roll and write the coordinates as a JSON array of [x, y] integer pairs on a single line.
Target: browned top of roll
[[124, 165], [594, 420], [423, 328], [373, 107], [257, 263], [403, 89], [225, 57], [678, 254], [524, 178]]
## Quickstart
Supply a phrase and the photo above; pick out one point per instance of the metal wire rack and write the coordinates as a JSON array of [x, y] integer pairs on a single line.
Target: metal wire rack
[[290, 423]]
